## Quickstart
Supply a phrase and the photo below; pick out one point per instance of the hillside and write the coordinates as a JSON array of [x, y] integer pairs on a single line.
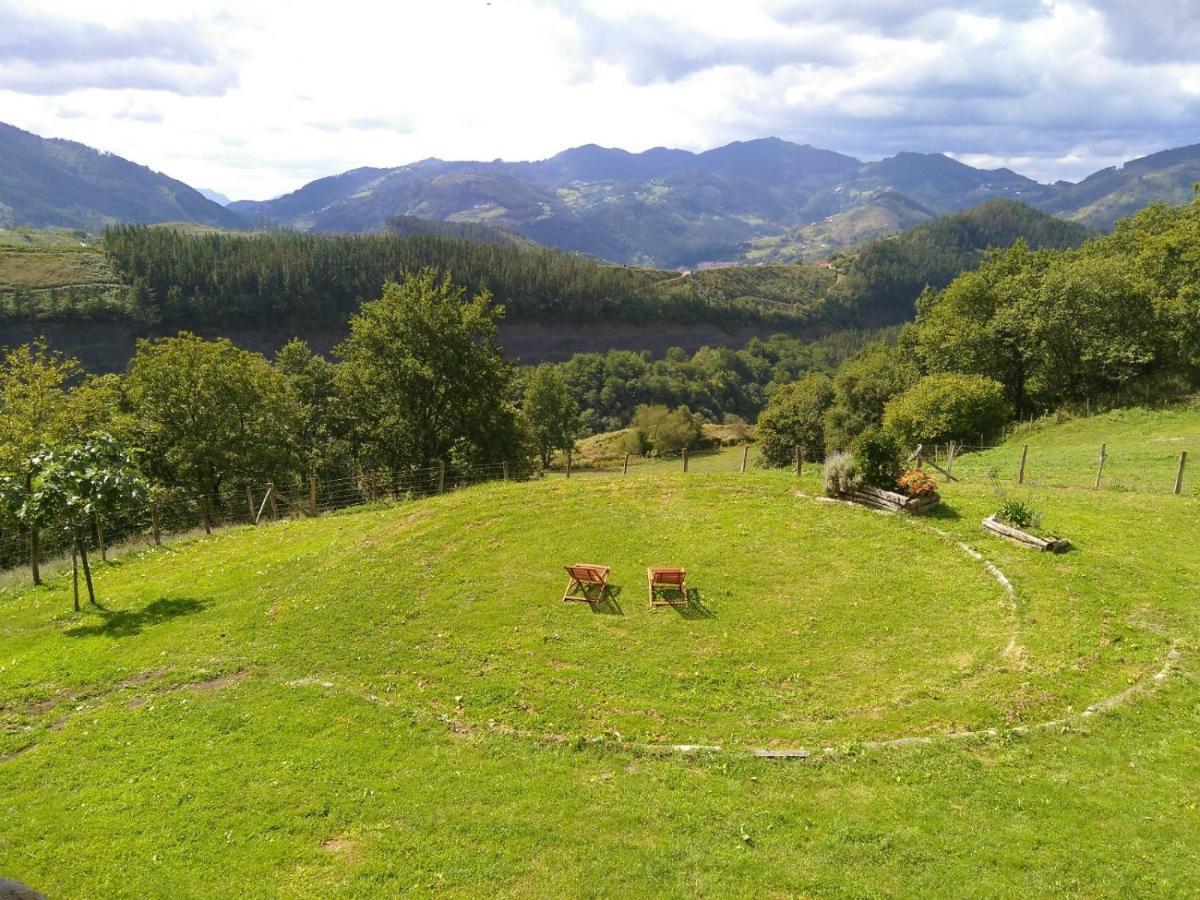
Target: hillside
[[883, 278], [1111, 194], [63, 184], [396, 700], [885, 214]]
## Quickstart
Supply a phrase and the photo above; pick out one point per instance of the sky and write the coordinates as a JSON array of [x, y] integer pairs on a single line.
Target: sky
[[255, 98]]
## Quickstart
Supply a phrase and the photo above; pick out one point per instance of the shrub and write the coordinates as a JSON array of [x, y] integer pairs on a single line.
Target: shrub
[[917, 483], [795, 417], [877, 457], [840, 474], [941, 408], [1016, 513], [665, 431]]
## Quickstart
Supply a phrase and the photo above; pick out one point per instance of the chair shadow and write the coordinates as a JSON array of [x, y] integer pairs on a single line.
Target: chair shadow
[[126, 623], [611, 604], [695, 608]]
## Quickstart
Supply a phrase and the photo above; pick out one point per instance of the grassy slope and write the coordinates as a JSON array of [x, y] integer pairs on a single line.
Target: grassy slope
[[1142, 450], [416, 709]]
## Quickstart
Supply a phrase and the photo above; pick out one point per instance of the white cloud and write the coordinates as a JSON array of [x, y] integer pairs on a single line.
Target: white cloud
[[254, 98]]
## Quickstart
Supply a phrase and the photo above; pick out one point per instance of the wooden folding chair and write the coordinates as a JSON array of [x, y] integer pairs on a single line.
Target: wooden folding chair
[[665, 581], [590, 580]]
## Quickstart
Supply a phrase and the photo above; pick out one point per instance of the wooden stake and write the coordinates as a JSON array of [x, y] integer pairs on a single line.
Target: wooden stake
[[504, 468], [100, 540], [745, 453], [441, 476], [685, 459], [312, 494], [250, 504], [1179, 474], [35, 553], [154, 523], [1100, 468], [950, 460], [1021, 470], [625, 467]]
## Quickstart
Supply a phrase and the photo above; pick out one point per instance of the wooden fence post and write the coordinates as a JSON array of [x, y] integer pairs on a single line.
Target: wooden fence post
[[204, 515], [504, 470], [625, 467], [1100, 468], [949, 460], [685, 459], [799, 454], [441, 476], [250, 504], [100, 540], [1179, 474], [154, 523], [312, 494], [1021, 470], [745, 453]]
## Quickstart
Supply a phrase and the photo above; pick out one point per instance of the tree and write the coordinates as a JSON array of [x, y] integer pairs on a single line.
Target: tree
[[662, 430], [861, 389], [34, 411], [424, 375], [795, 417], [947, 407], [73, 485], [208, 413], [322, 419], [552, 412]]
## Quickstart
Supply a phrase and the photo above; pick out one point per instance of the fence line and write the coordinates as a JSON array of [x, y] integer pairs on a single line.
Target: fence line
[[180, 514]]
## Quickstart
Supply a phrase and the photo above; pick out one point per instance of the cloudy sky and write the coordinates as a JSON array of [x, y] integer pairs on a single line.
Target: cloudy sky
[[256, 97]]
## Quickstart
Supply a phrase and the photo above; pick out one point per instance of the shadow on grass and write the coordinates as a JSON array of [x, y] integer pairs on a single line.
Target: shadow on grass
[[694, 608], [126, 623], [942, 513], [611, 604]]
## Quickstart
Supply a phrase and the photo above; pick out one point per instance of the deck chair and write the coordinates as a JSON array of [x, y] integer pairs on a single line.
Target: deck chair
[[590, 580], [665, 582]]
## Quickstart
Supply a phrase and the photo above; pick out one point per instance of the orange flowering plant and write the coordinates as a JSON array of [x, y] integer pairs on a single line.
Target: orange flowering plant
[[917, 483]]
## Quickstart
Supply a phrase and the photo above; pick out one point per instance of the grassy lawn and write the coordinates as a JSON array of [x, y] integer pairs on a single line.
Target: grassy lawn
[[1142, 453], [395, 699]]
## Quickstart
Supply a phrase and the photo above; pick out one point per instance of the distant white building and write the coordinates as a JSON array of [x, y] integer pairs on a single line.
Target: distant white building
[[715, 264]]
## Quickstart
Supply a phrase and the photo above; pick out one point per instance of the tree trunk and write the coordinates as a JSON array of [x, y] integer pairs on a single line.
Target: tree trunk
[[75, 574], [87, 569], [35, 552]]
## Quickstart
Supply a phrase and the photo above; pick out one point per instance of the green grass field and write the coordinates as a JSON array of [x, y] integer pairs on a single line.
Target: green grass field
[[1143, 448], [395, 700]]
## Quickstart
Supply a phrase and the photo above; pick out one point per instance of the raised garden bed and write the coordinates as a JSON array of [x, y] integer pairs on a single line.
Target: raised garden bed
[[878, 498], [1024, 538]]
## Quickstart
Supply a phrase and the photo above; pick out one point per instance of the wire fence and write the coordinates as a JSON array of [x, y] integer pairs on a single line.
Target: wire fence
[[173, 515], [1157, 466]]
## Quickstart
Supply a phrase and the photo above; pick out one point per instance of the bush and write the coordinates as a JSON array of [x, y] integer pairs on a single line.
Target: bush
[[840, 474], [942, 408], [877, 457], [795, 417], [657, 429], [917, 483], [1017, 514]]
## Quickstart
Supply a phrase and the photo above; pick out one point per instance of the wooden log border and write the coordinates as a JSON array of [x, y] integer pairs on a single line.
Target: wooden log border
[[1024, 538]]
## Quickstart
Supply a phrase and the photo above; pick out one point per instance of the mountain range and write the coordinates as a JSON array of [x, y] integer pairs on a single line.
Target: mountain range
[[765, 200]]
